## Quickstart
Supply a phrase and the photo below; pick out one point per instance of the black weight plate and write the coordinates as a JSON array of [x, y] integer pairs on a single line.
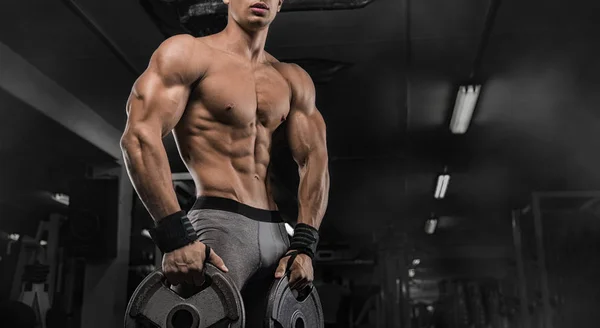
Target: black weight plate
[[289, 309], [217, 304]]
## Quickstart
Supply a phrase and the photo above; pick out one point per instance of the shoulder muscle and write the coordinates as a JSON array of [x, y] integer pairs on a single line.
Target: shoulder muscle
[[178, 60], [301, 85]]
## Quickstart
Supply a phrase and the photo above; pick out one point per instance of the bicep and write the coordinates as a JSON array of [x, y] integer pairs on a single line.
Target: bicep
[[306, 134], [156, 103], [306, 127]]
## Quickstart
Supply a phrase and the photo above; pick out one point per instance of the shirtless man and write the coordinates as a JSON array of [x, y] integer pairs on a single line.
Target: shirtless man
[[223, 96]]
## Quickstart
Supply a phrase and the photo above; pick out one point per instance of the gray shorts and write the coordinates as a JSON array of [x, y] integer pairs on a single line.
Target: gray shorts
[[249, 240]]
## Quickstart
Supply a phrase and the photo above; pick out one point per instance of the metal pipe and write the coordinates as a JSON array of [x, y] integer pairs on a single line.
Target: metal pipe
[[407, 64], [541, 255], [516, 232], [368, 305], [405, 288], [102, 35]]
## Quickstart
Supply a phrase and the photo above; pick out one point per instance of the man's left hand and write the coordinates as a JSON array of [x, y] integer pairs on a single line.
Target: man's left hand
[[301, 271]]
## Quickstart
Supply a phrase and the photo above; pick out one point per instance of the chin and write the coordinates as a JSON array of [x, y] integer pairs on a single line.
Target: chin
[[257, 23]]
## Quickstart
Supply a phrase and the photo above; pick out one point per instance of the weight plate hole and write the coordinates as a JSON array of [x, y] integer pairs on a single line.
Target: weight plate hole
[[182, 318]]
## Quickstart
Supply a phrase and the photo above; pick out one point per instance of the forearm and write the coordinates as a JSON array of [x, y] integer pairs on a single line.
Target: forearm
[[148, 167], [313, 191]]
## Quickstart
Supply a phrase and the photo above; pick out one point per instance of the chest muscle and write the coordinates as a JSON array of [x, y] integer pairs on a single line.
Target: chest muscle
[[240, 96]]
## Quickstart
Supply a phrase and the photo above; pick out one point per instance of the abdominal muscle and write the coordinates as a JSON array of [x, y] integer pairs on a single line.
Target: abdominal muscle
[[226, 160]]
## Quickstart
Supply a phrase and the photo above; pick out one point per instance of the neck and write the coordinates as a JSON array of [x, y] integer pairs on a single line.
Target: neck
[[250, 44]]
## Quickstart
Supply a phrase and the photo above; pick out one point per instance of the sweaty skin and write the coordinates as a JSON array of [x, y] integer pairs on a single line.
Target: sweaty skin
[[223, 96]]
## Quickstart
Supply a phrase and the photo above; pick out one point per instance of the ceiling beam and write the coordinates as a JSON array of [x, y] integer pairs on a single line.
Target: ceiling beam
[[25, 82], [102, 35]]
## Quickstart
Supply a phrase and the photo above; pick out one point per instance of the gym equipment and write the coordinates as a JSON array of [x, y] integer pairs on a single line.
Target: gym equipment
[[289, 308], [218, 303], [35, 275], [35, 290]]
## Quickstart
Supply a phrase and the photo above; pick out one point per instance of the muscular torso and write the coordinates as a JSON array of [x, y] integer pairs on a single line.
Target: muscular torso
[[224, 136]]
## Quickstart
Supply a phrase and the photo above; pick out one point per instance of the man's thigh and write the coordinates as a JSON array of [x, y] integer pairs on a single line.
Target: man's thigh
[[233, 237], [273, 243], [251, 251]]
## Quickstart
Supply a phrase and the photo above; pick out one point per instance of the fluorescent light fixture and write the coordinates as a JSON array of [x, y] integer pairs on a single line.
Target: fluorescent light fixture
[[442, 186], [61, 198], [431, 225], [466, 100], [411, 272], [416, 262]]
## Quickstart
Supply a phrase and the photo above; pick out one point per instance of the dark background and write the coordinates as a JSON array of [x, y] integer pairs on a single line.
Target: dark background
[[387, 113]]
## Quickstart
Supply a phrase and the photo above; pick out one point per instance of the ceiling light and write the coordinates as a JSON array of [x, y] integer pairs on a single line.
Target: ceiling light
[[431, 225], [416, 262], [411, 273], [61, 198], [466, 100], [442, 186]]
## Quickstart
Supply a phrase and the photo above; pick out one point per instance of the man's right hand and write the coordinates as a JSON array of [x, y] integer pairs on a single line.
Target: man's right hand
[[186, 264]]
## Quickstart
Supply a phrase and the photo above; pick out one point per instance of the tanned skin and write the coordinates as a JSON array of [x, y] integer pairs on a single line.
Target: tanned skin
[[223, 96]]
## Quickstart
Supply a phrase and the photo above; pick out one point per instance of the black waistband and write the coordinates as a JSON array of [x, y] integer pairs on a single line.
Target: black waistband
[[230, 205]]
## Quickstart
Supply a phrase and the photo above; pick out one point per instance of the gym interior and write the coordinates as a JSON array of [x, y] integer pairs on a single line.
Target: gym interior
[[463, 155]]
